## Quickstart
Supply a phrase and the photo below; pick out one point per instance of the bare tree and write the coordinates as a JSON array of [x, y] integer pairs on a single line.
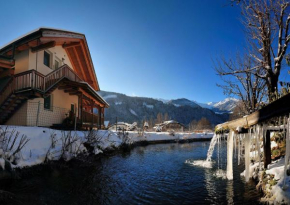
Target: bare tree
[[166, 117], [239, 111], [203, 124], [159, 118], [192, 125], [267, 26], [248, 87]]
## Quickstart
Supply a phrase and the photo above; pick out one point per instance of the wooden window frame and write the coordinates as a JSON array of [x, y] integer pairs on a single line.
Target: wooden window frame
[[50, 103]]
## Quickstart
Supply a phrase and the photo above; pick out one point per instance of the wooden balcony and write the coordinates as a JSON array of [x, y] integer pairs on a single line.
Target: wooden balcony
[[89, 118], [31, 84], [33, 80]]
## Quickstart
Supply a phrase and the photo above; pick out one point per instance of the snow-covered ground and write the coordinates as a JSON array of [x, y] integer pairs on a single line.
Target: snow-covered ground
[[161, 136], [280, 193], [48, 144]]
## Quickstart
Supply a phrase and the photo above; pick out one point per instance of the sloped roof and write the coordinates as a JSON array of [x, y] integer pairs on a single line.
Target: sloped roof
[[75, 44]]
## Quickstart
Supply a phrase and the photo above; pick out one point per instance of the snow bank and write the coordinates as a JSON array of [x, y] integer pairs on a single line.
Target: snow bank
[[49, 144], [280, 192], [158, 136]]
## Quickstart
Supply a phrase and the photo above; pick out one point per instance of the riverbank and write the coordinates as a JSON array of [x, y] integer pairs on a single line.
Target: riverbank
[[41, 145], [272, 182]]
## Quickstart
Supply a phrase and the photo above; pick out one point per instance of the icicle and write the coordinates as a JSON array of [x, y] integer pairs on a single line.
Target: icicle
[[218, 150], [287, 155], [230, 156], [235, 143], [255, 141], [247, 156], [239, 151], [258, 146]]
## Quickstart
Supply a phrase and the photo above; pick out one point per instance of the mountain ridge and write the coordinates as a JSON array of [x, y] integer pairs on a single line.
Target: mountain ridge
[[130, 109]]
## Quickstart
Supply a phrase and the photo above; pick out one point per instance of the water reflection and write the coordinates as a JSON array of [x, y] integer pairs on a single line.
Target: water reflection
[[154, 174], [230, 191], [210, 186]]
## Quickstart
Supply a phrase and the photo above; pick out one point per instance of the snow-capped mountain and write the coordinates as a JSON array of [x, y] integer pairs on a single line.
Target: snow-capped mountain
[[227, 104], [136, 109], [183, 102]]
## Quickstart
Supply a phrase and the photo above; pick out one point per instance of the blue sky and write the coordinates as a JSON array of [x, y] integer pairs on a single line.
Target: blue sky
[[152, 48]]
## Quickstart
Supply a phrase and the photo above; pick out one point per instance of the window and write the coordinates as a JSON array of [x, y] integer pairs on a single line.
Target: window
[[47, 103], [46, 59], [57, 62], [72, 108]]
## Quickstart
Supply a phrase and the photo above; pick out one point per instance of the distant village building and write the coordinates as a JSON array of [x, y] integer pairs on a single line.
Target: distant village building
[[123, 126], [169, 126], [146, 126]]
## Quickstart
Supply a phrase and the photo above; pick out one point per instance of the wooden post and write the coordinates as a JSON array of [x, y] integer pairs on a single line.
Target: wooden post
[[99, 117], [81, 110], [267, 149], [37, 115], [92, 110]]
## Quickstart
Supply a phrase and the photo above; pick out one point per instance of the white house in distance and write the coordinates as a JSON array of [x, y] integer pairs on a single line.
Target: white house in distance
[[53, 68]]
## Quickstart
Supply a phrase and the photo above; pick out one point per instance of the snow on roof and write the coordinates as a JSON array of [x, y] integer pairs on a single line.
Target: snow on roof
[[169, 122], [35, 30], [83, 82]]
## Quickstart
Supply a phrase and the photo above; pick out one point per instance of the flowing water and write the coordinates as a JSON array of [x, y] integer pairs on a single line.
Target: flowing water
[[154, 174], [206, 163]]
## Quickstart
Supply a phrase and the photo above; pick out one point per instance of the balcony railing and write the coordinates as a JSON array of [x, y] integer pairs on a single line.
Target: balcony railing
[[89, 117], [33, 80], [62, 72]]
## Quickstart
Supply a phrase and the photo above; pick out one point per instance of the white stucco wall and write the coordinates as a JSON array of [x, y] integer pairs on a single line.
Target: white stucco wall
[[56, 52], [61, 105]]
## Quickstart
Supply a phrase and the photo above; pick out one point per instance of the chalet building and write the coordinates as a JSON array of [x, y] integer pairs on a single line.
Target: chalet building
[[48, 76], [169, 125]]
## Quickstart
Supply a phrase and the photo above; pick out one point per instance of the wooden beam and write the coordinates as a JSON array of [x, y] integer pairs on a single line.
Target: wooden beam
[[43, 46], [8, 62], [33, 43], [99, 117], [81, 67], [90, 68], [71, 44], [23, 47], [95, 101], [70, 90], [75, 93], [64, 87], [4, 65], [267, 148]]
